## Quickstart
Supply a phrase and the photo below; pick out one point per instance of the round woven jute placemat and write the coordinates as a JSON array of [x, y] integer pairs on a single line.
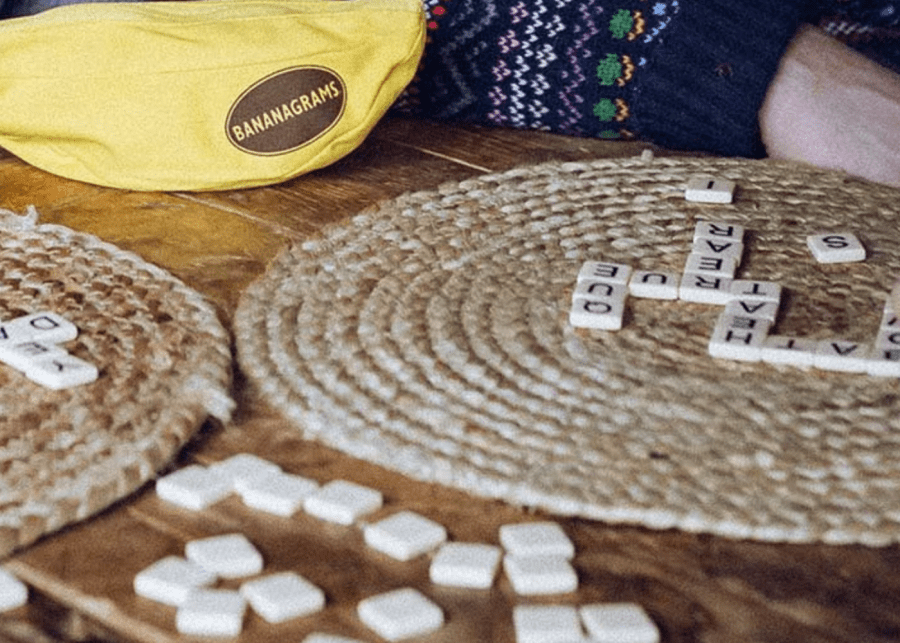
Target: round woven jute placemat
[[431, 336], [164, 367]]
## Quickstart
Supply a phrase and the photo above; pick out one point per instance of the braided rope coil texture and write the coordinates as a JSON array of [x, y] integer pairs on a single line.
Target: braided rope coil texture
[[164, 362], [430, 336]]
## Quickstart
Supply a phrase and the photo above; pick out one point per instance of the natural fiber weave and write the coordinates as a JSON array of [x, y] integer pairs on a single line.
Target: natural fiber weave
[[164, 362], [431, 336]]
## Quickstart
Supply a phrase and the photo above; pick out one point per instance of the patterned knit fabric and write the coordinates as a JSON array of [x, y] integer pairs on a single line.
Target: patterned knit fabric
[[869, 26], [686, 74]]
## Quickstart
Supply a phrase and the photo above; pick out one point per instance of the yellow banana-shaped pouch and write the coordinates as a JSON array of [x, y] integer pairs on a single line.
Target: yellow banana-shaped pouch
[[204, 95]]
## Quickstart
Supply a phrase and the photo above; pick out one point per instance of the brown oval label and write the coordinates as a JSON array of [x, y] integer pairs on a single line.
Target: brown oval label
[[286, 110]]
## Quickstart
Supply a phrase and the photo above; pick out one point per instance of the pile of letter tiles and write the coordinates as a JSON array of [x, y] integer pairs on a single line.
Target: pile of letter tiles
[[750, 308], [536, 558]]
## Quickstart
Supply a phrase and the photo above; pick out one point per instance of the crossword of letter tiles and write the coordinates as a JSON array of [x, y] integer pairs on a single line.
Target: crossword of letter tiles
[[280, 597], [404, 535], [836, 247], [171, 579], [472, 565], [227, 556], [709, 189], [547, 624], [618, 623], [211, 612], [400, 614]]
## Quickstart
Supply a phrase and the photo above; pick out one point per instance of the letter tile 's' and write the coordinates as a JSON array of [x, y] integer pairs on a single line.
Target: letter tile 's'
[[836, 247]]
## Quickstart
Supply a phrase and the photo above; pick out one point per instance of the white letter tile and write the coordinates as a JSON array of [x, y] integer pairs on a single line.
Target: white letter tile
[[705, 289], [61, 371], [46, 327], [654, 285], [13, 592], [615, 273], [22, 355], [710, 265], [604, 290], [884, 362], [400, 614], [794, 351], [282, 494], [600, 314], [170, 580], [537, 575], [719, 231], [547, 624], [709, 189], [280, 597], [739, 338], [243, 467], [618, 623], [211, 612], [843, 356], [470, 565], [836, 247], [342, 502], [748, 290], [320, 637], [748, 308], [194, 487], [536, 539], [404, 535], [227, 556], [724, 249]]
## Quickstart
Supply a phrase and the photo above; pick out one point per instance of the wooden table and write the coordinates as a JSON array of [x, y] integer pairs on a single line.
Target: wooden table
[[696, 588]]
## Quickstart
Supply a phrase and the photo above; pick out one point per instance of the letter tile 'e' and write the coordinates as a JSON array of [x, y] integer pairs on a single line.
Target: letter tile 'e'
[[836, 247], [709, 189]]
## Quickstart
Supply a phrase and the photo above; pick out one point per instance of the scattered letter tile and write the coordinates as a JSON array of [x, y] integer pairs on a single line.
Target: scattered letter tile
[[654, 285], [536, 539], [228, 556], [404, 535], [535, 575], [282, 494], [836, 247], [23, 355], [193, 487], [13, 592], [280, 597], [342, 502], [616, 273], [471, 565], [211, 612], [244, 467], [400, 614], [709, 189], [547, 624], [170, 580], [619, 623]]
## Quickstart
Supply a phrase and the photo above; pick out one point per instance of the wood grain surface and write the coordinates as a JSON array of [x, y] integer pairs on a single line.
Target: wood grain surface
[[696, 588]]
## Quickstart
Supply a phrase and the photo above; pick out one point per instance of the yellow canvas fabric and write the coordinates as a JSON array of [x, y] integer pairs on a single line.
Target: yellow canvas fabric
[[202, 95]]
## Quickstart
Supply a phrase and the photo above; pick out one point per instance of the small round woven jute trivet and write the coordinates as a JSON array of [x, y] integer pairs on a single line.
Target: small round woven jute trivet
[[431, 336], [164, 367]]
